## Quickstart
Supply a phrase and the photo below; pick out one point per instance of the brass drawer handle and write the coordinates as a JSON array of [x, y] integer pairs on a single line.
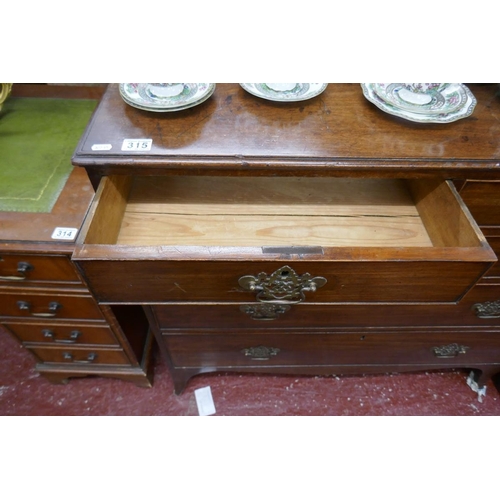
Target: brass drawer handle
[[260, 353], [487, 310], [284, 286], [22, 269], [52, 310], [450, 350], [265, 311], [73, 337], [90, 358]]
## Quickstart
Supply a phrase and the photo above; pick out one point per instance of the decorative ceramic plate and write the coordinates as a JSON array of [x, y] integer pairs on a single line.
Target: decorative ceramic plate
[[285, 92], [446, 98], [462, 112], [163, 97]]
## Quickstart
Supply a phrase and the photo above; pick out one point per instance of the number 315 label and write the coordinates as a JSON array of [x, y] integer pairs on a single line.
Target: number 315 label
[[137, 144]]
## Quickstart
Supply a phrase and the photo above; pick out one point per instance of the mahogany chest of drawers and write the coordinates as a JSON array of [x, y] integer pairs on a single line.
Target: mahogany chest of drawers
[[321, 237]]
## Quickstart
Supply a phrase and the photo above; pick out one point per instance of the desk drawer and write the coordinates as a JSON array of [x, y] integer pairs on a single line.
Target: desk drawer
[[227, 351], [37, 269], [55, 334], [287, 239], [81, 356], [49, 306]]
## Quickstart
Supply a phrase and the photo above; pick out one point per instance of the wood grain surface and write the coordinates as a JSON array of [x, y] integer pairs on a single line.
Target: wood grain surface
[[337, 133]]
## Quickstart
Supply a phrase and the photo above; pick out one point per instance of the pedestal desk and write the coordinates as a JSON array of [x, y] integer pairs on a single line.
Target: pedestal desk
[[318, 237], [44, 302]]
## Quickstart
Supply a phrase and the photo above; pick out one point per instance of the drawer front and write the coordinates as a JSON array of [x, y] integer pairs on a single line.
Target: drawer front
[[484, 301], [227, 351], [54, 334], [349, 281], [30, 305], [483, 200], [365, 244], [481, 307], [36, 269], [80, 356], [494, 241]]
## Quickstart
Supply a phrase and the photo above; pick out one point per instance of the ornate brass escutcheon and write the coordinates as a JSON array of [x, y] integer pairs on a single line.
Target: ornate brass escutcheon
[[487, 310], [265, 311], [260, 353], [449, 351], [284, 286]]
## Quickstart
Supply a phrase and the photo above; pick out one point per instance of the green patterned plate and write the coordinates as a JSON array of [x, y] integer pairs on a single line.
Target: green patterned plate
[[285, 92], [164, 97]]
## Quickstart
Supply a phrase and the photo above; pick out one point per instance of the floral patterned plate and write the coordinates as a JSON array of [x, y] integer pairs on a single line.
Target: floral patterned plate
[[445, 98], [163, 97], [462, 112], [285, 92]]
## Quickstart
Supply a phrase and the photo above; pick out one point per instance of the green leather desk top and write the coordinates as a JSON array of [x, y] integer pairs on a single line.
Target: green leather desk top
[[37, 139]]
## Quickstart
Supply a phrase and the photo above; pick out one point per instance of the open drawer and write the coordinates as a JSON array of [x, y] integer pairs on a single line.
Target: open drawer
[[290, 239]]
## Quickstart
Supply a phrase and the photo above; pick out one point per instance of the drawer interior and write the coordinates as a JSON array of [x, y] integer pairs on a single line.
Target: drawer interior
[[278, 212]]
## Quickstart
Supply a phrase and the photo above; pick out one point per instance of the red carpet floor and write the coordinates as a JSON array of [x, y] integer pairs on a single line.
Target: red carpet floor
[[24, 392]]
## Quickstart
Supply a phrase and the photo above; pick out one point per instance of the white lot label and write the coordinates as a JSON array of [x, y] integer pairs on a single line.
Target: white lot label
[[101, 147], [137, 144], [204, 401], [64, 233]]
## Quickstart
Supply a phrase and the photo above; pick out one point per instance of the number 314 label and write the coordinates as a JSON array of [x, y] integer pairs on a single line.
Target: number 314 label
[[137, 144], [64, 233]]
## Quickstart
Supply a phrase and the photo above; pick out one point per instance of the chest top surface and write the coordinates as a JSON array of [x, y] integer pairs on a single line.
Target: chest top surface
[[339, 131]]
